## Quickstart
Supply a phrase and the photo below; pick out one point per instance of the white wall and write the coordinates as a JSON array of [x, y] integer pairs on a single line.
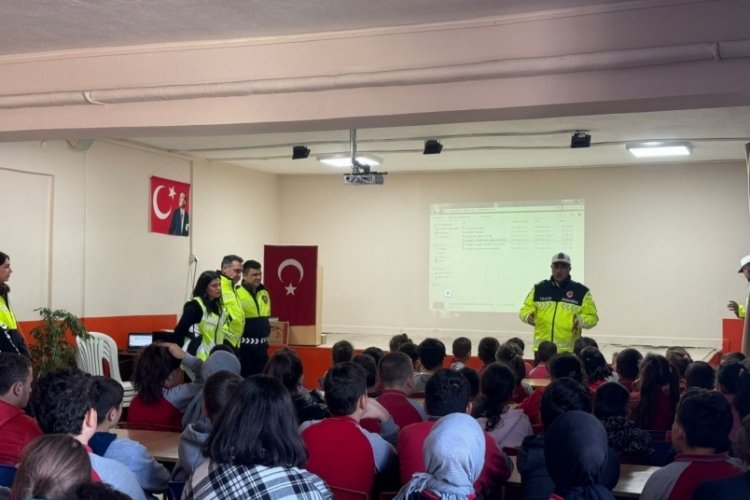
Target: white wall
[[662, 246], [76, 225]]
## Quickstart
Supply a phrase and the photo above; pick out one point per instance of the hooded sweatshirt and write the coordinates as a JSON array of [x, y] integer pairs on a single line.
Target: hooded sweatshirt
[[216, 362], [510, 431], [16, 430]]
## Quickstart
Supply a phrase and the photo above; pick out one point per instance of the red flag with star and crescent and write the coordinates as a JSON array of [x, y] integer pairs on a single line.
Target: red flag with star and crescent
[[170, 206], [290, 276]]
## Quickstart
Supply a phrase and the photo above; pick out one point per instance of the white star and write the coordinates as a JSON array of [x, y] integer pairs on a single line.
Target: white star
[[172, 192], [290, 289]]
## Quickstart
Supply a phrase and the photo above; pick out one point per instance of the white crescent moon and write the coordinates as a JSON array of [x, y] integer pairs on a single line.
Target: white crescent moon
[[161, 215], [293, 263]]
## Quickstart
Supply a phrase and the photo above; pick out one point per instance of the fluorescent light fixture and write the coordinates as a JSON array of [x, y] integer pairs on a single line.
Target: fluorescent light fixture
[[656, 149], [346, 160]]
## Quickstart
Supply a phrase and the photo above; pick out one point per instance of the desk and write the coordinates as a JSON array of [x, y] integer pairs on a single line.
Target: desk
[[538, 382], [162, 445], [632, 479]]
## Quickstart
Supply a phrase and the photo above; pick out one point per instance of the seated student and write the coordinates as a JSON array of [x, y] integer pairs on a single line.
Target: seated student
[[473, 377], [254, 450], [575, 451], [700, 436], [654, 405], [735, 487], [108, 394], [17, 429], [680, 359], [627, 367], [700, 374], [507, 426], [368, 364], [397, 340], [218, 360], [95, 491], [454, 457], [461, 350], [729, 382], [411, 350], [431, 355], [51, 467], [342, 351], [611, 407], [376, 353], [561, 365], [359, 454], [286, 366], [509, 353], [544, 353], [582, 343], [562, 395], [447, 392], [396, 375], [63, 403], [595, 367], [161, 398], [218, 389], [521, 345], [486, 351]]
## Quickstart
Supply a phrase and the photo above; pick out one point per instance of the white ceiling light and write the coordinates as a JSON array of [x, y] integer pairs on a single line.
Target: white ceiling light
[[655, 149], [344, 161]]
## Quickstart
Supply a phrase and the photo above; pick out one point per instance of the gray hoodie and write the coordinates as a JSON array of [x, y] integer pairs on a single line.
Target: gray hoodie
[[189, 452], [216, 362]]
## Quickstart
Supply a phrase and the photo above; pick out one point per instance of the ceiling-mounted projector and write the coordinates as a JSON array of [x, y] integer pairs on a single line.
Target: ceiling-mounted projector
[[362, 179]]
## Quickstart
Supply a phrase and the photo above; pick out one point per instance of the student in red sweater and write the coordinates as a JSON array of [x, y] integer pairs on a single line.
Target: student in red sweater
[[396, 376], [659, 392], [461, 350], [16, 428], [595, 366], [700, 435], [486, 351], [340, 451], [448, 392], [545, 352], [627, 366], [562, 365], [161, 397]]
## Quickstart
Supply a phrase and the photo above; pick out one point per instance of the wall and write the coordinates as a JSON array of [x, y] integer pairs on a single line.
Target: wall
[[662, 246], [76, 225]]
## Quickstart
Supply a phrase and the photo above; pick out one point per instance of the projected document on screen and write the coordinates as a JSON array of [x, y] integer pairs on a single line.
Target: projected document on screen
[[486, 257]]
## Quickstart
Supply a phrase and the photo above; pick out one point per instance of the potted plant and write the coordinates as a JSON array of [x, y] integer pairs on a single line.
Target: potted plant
[[54, 340]]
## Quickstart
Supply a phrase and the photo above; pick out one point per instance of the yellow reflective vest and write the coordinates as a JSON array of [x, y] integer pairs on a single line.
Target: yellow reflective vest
[[235, 322], [555, 308], [7, 318], [210, 329]]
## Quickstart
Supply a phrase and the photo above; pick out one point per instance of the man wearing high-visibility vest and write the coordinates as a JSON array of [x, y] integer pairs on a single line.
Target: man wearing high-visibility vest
[[739, 309], [231, 273], [256, 306]]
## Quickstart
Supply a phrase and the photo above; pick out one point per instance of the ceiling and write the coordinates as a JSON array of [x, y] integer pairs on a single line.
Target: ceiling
[[54, 25]]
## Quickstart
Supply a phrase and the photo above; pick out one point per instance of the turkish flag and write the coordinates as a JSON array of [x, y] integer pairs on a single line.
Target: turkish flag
[[290, 274], [170, 206]]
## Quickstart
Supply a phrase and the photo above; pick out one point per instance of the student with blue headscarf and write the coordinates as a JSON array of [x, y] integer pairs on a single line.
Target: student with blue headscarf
[[453, 457], [575, 451]]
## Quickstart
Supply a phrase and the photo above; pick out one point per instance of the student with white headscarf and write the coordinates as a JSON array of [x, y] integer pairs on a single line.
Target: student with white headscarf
[[453, 456]]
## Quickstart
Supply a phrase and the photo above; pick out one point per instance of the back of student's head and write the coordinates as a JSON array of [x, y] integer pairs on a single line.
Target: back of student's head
[[546, 350], [566, 365], [108, 394], [447, 391], [706, 418], [561, 395], [742, 389], [369, 366], [733, 357], [51, 466], [396, 369], [508, 353], [431, 353], [472, 376], [594, 364], [519, 343], [679, 358], [629, 363], [375, 352], [344, 384], [611, 400], [61, 400], [152, 368], [217, 390], [727, 377], [342, 351], [741, 446], [487, 348], [397, 340], [14, 368], [700, 374], [257, 427], [657, 374], [286, 366], [410, 349], [496, 387], [582, 343], [96, 491], [461, 348]]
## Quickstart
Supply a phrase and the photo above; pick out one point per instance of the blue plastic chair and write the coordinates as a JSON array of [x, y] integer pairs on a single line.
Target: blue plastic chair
[[7, 475]]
